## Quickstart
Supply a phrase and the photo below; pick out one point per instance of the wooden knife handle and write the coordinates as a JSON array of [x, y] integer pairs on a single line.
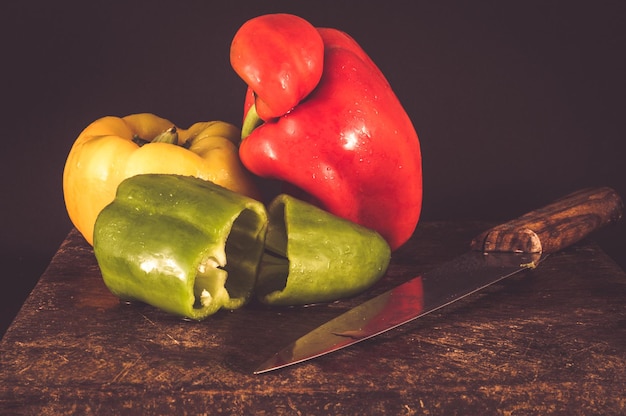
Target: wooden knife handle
[[555, 226]]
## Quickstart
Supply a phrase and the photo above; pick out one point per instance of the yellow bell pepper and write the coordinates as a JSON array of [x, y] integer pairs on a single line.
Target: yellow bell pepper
[[112, 149]]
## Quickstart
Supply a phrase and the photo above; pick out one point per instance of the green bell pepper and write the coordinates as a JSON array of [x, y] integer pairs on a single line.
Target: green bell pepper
[[191, 248], [313, 256], [182, 244]]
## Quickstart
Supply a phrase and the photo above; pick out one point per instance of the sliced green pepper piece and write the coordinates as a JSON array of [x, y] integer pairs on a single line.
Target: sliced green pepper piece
[[313, 256], [182, 244]]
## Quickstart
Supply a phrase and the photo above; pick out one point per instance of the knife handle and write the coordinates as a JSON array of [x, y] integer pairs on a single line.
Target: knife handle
[[555, 226]]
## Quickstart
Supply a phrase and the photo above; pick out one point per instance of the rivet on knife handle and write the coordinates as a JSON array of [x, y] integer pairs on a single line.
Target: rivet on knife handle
[[555, 226]]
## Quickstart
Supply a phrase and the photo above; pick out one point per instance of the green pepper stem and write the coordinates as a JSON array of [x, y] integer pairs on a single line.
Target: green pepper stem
[[168, 136], [251, 122]]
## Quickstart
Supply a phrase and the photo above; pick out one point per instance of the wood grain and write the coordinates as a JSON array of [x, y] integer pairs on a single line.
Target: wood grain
[[555, 226], [547, 341]]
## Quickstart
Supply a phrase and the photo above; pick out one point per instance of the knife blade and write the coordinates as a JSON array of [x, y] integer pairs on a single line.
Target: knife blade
[[495, 254]]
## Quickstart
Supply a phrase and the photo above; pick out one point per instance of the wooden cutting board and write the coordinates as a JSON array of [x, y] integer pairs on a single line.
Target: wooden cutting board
[[546, 341]]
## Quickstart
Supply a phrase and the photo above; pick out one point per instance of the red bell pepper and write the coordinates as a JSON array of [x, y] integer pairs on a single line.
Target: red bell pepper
[[348, 146]]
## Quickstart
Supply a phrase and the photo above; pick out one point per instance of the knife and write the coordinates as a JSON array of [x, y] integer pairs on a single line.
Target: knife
[[495, 254]]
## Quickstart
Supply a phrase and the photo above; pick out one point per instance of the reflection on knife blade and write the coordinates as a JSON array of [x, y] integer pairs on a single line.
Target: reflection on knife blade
[[411, 300]]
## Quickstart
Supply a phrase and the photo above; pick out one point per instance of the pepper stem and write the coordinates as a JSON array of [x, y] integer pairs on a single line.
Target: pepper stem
[[168, 136], [251, 122]]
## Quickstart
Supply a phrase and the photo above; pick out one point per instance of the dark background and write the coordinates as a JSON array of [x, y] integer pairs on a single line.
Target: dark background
[[515, 102]]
